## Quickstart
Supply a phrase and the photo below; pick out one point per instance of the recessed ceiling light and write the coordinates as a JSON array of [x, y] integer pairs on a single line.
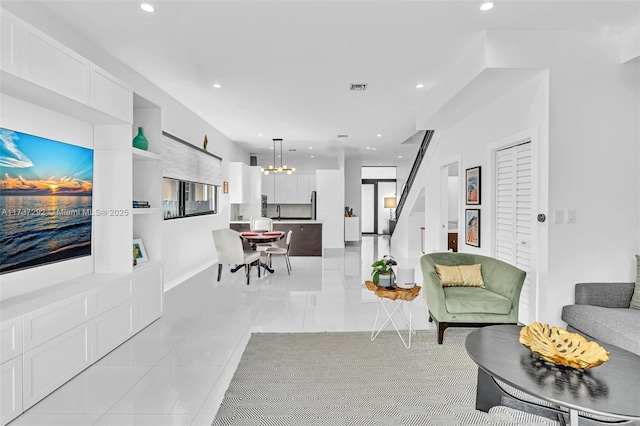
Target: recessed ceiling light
[[399, 156], [373, 149], [379, 164], [259, 134], [313, 156], [217, 86], [147, 7], [419, 86], [487, 6], [379, 135], [270, 147], [368, 147]]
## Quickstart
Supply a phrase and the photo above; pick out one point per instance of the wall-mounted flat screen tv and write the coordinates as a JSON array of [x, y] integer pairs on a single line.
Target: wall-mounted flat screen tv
[[46, 190]]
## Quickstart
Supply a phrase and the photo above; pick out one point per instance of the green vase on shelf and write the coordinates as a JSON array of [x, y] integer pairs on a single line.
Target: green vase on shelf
[[140, 141]]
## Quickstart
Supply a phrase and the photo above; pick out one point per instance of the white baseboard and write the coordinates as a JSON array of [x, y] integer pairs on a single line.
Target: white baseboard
[[182, 278]]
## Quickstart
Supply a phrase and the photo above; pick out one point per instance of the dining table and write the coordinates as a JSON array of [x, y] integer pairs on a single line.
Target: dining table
[[257, 237]]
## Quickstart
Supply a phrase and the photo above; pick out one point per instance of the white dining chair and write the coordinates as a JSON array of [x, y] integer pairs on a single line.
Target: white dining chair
[[262, 224], [280, 251], [229, 248]]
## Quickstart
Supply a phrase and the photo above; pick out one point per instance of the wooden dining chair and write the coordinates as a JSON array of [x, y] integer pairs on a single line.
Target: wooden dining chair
[[280, 251], [229, 248]]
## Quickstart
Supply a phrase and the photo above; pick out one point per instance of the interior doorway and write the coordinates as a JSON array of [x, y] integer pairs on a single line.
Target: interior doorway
[[450, 201], [376, 219]]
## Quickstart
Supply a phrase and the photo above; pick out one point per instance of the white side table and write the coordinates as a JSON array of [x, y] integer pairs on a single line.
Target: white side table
[[399, 296]]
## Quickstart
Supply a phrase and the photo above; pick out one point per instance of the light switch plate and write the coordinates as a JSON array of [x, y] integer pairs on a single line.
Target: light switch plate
[[558, 216], [571, 216]]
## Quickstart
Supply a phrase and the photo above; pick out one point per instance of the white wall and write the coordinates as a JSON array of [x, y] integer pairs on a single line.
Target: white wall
[[330, 207], [353, 185]]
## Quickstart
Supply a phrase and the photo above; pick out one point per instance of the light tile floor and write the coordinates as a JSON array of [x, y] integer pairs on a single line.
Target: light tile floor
[[176, 371]]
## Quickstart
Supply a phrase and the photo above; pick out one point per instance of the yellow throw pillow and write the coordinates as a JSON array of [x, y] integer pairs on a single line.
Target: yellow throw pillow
[[460, 276]]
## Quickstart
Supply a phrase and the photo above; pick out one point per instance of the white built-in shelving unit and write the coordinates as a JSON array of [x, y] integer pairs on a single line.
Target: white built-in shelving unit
[[74, 312]]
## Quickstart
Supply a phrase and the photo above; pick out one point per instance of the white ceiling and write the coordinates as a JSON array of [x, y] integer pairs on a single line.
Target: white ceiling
[[285, 67]]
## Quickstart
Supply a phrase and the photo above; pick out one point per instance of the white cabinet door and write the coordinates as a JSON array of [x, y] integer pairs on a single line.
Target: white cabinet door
[[304, 192], [52, 320], [352, 229], [113, 327], [291, 189], [110, 95], [10, 339], [235, 183], [113, 294], [53, 363], [11, 35], [280, 189], [10, 390], [246, 183], [239, 183], [268, 187], [51, 65], [148, 295]]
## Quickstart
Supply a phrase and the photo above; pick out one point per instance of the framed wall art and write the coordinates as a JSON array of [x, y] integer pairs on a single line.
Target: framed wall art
[[472, 227], [139, 253], [472, 183]]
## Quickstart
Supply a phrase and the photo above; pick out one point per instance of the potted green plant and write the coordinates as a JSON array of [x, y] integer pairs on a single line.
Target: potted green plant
[[382, 273]]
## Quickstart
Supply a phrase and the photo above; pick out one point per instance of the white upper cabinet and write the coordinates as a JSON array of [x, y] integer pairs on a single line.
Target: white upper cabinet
[[55, 67], [110, 95], [49, 66], [268, 187], [280, 187], [288, 189], [291, 189], [10, 42], [239, 183], [304, 189]]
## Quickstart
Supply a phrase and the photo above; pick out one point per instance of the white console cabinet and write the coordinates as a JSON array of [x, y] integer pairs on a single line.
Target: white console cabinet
[[49, 336]]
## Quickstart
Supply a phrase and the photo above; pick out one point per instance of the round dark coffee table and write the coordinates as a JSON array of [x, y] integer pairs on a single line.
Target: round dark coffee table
[[611, 390]]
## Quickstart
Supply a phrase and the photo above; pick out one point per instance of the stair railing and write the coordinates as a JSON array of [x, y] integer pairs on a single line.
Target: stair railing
[[414, 171]]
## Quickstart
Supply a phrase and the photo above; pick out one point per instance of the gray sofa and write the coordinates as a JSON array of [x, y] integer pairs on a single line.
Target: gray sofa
[[602, 312]]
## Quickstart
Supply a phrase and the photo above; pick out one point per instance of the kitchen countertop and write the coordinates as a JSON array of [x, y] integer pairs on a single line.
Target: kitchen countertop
[[285, 221]]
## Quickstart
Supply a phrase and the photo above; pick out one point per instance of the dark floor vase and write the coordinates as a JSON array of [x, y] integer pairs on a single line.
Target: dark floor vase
[[140, 141]]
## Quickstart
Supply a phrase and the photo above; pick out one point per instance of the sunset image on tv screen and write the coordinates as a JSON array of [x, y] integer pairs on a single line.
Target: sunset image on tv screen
[[45, 200]]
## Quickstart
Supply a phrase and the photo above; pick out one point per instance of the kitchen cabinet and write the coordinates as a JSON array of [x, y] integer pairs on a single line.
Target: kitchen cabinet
[[306, 239], [291, 189], [304, 189], [280, 188], [239, 183], [268, 187], [288, 189]]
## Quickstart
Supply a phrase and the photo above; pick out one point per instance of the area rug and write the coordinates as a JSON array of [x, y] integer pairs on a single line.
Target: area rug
[[345, 379]]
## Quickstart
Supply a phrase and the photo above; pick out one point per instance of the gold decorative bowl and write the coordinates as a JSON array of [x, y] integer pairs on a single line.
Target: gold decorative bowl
[[558, 346]]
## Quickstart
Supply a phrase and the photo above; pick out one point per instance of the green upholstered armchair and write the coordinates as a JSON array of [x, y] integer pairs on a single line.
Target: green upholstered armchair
[[497, 303]]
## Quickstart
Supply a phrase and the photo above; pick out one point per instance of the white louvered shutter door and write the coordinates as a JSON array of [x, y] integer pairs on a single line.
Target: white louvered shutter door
[[514, 217]]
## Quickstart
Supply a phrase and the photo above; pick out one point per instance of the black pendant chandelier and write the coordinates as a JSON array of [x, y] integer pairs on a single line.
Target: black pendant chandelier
[[277, 169]]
